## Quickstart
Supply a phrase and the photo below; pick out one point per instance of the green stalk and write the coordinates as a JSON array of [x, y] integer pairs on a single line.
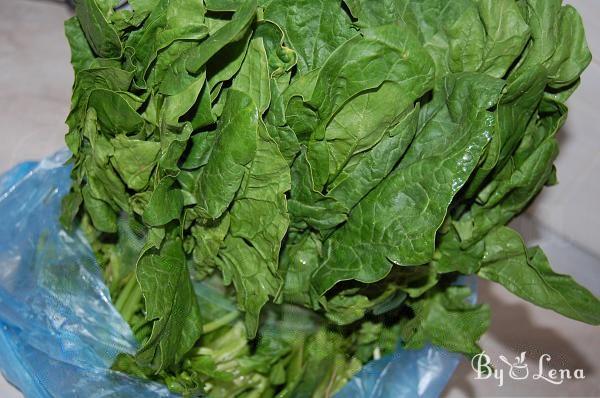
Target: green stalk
[[125, 293], [220, 322], [133, 303]]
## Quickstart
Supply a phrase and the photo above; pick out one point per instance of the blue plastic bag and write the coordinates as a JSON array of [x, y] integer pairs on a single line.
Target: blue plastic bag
[[59, 332]]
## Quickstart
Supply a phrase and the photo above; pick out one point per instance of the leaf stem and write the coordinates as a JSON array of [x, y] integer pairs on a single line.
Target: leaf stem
[[217, 323], [133, 302], [125, 293]]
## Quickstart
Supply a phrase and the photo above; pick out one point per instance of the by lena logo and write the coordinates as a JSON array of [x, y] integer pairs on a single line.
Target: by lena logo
[[519, 370]]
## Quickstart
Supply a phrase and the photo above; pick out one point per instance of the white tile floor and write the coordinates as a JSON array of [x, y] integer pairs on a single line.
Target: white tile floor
[[35, 79]]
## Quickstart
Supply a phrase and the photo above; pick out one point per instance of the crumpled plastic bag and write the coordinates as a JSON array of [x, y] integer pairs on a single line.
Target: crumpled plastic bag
[[59, 332]]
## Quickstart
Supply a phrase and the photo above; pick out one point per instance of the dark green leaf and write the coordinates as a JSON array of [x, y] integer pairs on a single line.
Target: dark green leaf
[[328, 27], [100, 34], [234, 149], [165, 205], [527, 273], [446, 319], [396, 222], [170, 304], [227, 34], [134, 160]]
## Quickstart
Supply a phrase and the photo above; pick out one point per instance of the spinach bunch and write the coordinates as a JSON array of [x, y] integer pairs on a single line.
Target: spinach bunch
[[316, 173]]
